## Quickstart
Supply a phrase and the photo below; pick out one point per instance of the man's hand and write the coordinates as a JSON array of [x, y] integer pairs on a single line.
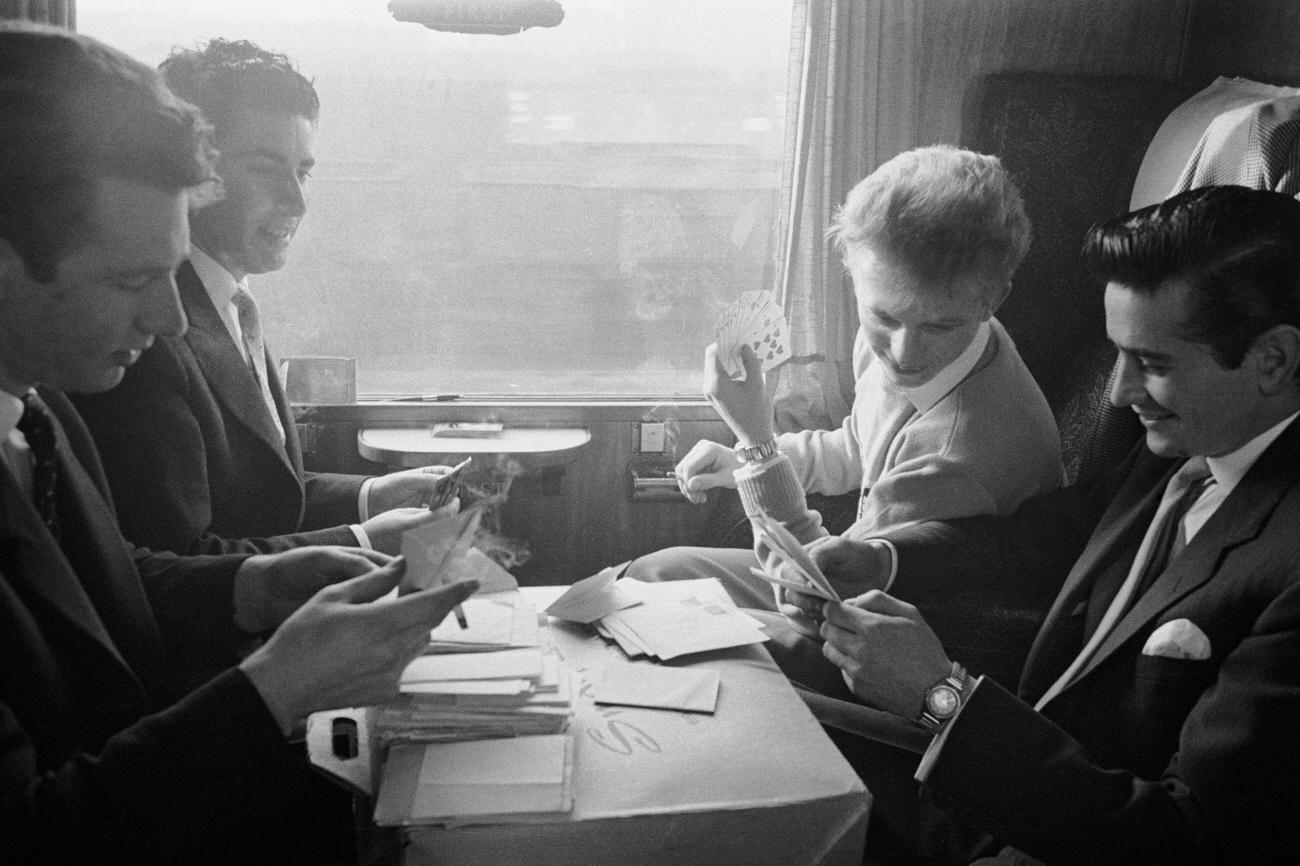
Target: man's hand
[[705, 466], [745, 406], [852, 567], [410, 488], [385, 529], [887, 654], [271, 586], [348, 645]]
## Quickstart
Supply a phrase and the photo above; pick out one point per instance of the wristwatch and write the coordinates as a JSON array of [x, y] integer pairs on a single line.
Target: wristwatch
[[944, 699], [756, 453]]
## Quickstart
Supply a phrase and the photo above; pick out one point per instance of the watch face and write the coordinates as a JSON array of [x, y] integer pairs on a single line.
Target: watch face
[[942, 701]]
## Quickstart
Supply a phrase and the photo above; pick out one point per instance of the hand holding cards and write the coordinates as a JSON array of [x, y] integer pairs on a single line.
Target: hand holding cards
[[445, 487], [787, 563], [754, 319]]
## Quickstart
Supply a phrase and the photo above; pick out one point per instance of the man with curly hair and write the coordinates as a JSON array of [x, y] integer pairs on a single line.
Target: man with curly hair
[[199, 441]]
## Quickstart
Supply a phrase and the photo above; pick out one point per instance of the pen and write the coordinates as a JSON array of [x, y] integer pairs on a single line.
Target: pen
[[427, 398]]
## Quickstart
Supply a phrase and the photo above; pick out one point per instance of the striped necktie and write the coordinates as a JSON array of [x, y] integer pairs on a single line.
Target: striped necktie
[[37, 427]]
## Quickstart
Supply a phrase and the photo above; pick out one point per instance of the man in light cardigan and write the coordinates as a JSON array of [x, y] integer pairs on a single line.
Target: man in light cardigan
[[947, 420]]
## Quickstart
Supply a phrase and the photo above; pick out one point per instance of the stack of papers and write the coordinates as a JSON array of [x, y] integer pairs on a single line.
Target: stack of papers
[[659, 620], [482, 781], [477, 695]]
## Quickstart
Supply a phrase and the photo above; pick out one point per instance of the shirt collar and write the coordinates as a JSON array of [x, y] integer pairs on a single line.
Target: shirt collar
[[219, 282], [1228, 469], [924, 397]]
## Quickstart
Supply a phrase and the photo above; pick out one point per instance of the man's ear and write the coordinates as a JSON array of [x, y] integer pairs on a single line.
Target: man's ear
[[996, 297], [1276, 356]]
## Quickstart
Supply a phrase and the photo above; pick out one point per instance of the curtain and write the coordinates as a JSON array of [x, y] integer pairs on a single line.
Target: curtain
[[852, 99], [61, 12]]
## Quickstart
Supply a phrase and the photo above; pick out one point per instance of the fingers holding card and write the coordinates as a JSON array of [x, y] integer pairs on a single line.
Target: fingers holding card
[[754, 319]]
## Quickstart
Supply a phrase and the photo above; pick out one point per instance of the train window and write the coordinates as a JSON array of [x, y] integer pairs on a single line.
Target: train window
[[561, 211]]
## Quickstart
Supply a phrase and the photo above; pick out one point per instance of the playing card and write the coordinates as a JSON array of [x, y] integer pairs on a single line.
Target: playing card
[[446, 486], [755, 319], [788, 564]]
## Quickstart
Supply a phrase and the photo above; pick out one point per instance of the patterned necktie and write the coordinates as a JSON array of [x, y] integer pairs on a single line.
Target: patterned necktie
[[250, 325], [38, 428], [1158, 547]]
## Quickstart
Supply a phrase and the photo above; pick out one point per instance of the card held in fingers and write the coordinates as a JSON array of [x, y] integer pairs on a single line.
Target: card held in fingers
[[757, 320]]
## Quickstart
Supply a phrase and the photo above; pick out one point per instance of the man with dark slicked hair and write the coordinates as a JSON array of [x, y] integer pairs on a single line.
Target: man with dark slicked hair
[[108, 752], [1155, 716]]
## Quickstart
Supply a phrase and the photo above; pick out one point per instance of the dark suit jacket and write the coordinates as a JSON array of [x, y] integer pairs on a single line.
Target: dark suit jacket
[[1144, 758], [193, 458], [97, 761]]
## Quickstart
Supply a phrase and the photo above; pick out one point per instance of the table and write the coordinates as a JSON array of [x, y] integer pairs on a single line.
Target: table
[[408, 447], [756, 783]]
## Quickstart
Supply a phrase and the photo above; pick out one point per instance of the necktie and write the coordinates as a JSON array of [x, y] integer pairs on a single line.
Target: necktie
[[38, 428], [250, 325], [1159, 545]]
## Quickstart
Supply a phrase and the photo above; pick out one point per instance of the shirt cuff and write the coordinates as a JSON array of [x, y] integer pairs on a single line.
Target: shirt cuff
[[931, 756], [363, 540], [363, 502], [893, 559]]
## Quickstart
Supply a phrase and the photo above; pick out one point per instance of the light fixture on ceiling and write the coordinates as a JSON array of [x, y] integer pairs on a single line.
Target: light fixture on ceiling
[[500, 17]]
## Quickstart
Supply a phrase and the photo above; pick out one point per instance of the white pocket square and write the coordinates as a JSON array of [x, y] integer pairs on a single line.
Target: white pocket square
[[1178, 639]]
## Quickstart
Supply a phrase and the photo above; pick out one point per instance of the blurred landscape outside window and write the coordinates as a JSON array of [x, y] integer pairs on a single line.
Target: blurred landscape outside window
[[559, 212]]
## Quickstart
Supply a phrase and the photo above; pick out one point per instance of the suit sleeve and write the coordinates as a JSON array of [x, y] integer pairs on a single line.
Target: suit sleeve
[[153, 450], [165, 785], [1026, 554], [331, 500], [1227, 795]]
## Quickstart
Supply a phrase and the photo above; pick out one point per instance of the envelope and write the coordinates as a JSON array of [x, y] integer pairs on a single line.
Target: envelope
[[694, 690], [1178, 639]]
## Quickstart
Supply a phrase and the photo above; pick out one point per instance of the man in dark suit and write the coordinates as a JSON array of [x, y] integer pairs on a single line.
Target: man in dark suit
[[104, 757], [1156, 715], [199, 443]]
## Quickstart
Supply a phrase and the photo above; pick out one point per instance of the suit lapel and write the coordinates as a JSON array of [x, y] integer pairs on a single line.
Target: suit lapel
[[223, 364], [1109, 552], [1238, 519], [45, 571]]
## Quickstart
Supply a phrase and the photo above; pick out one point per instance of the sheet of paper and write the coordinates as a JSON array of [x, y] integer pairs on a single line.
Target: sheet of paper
[[592, 597], [685, 626], [694, 690], [504, 664], [496, 620], [432, 549], [508, 778]]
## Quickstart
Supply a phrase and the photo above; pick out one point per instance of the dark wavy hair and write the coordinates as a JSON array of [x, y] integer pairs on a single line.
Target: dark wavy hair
[[73, 111], [224, 76], [1238, 250]]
